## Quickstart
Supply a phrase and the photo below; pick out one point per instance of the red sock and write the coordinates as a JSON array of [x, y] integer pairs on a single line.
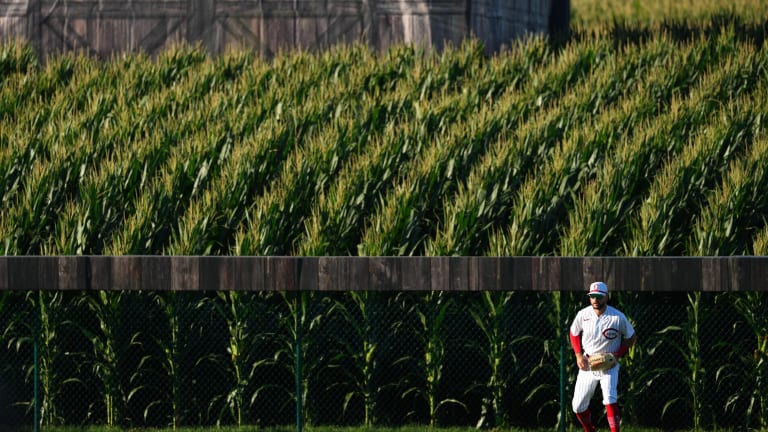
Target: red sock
[[585, 418], [614, 416]]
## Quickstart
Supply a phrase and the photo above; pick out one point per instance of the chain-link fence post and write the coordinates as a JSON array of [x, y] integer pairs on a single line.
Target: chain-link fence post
[[563, 338], [36, 368], [297, 355]]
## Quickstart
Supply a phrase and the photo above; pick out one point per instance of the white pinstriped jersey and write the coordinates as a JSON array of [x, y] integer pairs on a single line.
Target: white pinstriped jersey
[[601, 333]]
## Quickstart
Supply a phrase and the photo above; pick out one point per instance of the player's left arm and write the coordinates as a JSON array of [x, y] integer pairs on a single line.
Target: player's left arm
[[627, 342]]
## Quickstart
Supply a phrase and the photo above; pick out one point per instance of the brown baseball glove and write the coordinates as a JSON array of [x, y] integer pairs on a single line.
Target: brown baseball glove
[[602, 361]]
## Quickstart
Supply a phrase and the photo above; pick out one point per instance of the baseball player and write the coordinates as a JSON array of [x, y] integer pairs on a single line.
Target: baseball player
[[599, 328]]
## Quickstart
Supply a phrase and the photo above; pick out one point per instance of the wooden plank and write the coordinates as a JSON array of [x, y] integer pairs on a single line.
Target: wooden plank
[[216, 273], [279, 33], [5, 283], [383, 273], [485, 274], [73, 272], [592, 269], [415, 273], [546, 273], [33, 273], [281, 273], [156, 273], [13, 9], [189, 273], [250, 272], [334, 274], [185, 273], [710, 274], [739, 270], [99, 273], [516, 273], [88, 9], [126, 273], [309, 273], [240, 32], [312, 32], [572, 275], [759, 274], [686, 273], [459, 273], [344, 30], [619, 276]]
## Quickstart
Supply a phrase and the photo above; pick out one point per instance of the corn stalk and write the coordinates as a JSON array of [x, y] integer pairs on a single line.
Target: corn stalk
[[43, 327], [749, 369], [237, 310], [111, 345], [490, 314], [430, 310], [358, 358], [693, 375]]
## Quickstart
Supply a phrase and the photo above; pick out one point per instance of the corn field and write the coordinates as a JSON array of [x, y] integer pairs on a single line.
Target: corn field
[[489, 359], [604, 145], [630, 138]]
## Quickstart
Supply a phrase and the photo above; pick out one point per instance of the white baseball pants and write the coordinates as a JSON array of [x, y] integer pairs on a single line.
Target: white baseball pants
[[586, 383]]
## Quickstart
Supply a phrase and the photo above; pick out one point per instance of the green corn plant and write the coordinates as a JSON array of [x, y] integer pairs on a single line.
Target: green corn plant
[[735, 209], [235, 308], [210, 224], [50, 307], [186, 174], [403, 223], [543, 203], [279, 217], [285, 338], [541, 381], [660, 226], [685, 340], [634, 362], [16, 57], [632, 17], [110, 347], [747, 364], [358, 357], [169, 303], [399, 228], [337, 220], [760, 242], [305, 323], [597, 221], [430, 310], [17, 77], [80, 147], [43, 325], [489, 313], [176, 361], [106, 191], [536, 200]]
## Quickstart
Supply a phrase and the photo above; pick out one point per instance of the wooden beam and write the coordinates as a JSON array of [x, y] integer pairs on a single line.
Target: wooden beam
[[206, 273]]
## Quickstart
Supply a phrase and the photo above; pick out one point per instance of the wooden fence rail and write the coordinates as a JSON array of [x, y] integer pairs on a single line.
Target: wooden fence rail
[[739, 273]]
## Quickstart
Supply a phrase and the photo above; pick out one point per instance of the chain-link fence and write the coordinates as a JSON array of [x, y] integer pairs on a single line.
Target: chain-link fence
[[134, 359]]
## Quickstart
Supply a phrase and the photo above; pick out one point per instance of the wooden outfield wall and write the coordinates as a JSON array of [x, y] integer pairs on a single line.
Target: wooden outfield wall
[[740, 273]]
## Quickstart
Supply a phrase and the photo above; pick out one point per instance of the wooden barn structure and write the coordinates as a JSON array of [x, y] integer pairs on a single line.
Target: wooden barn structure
[[104, 27]]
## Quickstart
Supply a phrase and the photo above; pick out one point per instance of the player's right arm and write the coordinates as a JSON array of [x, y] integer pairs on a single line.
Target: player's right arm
[[575, 333]]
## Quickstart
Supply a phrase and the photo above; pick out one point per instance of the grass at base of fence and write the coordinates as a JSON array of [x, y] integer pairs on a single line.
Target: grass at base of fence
[[415, 428]]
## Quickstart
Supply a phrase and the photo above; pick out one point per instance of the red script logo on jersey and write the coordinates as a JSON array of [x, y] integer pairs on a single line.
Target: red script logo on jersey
[[610, 333]]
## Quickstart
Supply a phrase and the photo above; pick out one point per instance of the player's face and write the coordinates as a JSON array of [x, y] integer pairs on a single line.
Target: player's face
[[598, 301]]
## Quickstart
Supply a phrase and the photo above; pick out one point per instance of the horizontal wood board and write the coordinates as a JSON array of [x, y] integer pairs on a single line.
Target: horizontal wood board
[[184, 273]]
